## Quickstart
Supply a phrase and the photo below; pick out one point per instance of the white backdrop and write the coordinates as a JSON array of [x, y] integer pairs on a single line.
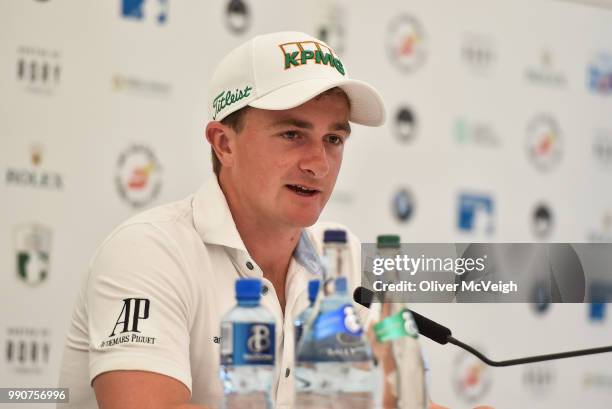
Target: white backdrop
[[102, 112]]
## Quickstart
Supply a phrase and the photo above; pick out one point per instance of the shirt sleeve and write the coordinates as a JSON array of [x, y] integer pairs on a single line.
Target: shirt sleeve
[[138, 305]]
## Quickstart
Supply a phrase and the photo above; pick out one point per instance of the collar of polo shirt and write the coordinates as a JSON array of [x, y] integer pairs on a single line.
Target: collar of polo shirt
[[215, 225]]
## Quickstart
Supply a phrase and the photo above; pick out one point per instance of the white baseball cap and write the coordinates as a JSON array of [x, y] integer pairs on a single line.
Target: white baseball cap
[[284, 70]]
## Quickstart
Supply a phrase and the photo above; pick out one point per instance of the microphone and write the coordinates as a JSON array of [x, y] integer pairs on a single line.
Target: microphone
[[428, 328], [442, 335]]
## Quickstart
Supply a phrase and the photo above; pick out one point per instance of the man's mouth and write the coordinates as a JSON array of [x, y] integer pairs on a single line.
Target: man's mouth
[[303, 190]]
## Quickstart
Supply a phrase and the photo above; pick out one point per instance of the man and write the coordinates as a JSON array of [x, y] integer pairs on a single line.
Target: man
[[145, 330]]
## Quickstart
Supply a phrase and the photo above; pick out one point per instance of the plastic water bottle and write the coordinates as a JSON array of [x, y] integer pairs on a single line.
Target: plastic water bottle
[[302, 318], [247, 350], [396, 344], [334, 365]]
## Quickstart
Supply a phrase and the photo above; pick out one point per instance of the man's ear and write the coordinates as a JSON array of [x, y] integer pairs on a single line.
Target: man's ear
[[220, 138]]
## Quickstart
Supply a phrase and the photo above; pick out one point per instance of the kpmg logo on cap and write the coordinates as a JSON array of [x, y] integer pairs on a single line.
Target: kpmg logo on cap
[[406, 43], [300, 53], [544, 143]]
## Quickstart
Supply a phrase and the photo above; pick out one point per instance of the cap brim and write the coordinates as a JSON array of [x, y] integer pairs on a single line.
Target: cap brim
[[367, 107]]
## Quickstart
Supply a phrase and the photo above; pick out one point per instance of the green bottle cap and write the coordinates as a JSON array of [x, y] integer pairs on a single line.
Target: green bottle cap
[[388, 241]]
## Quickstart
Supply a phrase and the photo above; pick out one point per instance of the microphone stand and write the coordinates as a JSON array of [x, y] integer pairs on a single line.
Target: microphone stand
[[529, 359]]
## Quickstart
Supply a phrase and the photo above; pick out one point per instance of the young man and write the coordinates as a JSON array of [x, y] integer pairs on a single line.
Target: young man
[[145, 331]]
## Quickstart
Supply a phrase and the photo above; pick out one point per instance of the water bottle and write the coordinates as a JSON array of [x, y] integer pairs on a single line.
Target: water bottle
[[395, 343], [301, 319], [334, 365], [247, 350]]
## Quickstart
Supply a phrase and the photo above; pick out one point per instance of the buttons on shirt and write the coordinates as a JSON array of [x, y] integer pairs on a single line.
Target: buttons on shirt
[[264, 289], [250, 265], [287, 372]]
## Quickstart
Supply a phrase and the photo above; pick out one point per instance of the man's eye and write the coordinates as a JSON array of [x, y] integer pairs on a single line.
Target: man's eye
[[335, 140], [290, 135]]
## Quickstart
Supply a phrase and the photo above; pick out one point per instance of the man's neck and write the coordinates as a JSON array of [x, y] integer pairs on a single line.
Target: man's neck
[[269, 245]]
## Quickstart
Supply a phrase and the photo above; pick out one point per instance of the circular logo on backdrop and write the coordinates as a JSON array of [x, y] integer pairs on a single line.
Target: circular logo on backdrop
[[542, 220], [544, 143], [406, 44], [403, 205], [471, 377], [333, 35], [237, 16], [332, 28], [405, 124], [138, 176]]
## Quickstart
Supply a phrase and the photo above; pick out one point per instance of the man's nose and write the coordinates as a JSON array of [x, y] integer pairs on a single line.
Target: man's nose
[[314, 160]]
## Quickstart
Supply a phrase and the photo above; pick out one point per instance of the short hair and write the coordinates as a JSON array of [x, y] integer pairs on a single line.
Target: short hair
[[235, 121]]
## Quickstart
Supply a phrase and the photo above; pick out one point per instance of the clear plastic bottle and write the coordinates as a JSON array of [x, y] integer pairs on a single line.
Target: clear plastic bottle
[[334, 365], [302, 318], [395, 345], [247, 350]]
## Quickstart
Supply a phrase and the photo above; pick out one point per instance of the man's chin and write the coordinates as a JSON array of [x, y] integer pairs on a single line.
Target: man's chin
[[303, 219]]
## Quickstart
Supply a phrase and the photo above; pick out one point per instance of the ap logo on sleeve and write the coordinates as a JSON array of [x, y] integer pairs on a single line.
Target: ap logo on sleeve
[[126, 329]]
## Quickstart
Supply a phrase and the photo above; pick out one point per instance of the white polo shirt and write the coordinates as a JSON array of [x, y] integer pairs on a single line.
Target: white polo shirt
[[158, 287]]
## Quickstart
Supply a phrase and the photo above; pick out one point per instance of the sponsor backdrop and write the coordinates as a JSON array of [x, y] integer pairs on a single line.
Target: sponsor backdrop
[[500, 129]]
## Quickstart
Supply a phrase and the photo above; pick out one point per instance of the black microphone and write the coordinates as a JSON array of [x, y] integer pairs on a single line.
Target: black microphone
[[428, 328], [443, 335]]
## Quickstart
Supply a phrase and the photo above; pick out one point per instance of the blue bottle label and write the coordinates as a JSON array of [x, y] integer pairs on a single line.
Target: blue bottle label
[[249, 343], [336, 336], [344, 320]]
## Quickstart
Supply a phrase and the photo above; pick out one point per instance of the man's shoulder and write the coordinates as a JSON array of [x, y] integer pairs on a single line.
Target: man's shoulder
[[172, 221], [173, 212]]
